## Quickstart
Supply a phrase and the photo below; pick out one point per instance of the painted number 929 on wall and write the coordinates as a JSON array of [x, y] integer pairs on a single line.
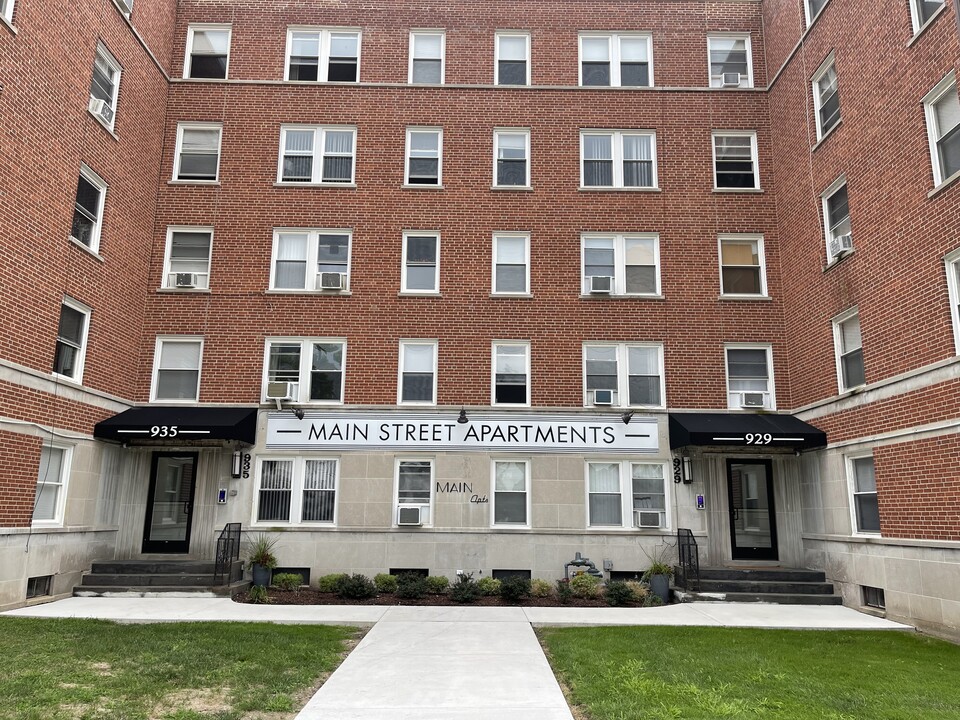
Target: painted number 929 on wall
[[758, 438]]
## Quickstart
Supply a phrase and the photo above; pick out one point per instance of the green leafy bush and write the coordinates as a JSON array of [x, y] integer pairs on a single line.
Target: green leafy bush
[[564, 591], [411, 586], [513, 589], [258, 595], [639, 591], [328, 583], [618, 593], [652, 601], [488, 586], [541, 588], [438, 584], [356, 587], [288, 581], [465, 589], [385, 583], [585, 585]]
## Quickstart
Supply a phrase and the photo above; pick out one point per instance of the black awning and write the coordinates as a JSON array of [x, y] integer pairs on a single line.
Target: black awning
[[173, 424], [744, 430]]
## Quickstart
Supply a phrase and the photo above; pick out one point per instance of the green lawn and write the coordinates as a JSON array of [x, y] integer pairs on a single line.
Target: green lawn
[[59, 669], [708, 673]]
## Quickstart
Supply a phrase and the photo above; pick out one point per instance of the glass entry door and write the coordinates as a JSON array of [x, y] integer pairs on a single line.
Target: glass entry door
[[753, 527], [170, 503]]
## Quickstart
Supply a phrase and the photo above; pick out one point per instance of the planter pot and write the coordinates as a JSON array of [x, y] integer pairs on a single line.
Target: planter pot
[[660, 586], [261, 575]]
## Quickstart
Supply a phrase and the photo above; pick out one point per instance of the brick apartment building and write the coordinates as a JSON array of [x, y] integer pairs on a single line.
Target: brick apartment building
[[469, 285]]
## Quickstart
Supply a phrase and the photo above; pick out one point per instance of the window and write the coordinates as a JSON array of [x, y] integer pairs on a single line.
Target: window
[[735, 161], [618, 159], [298, 490], [942, 108], [314, 367], [922, 12], [426, 57], [198, 153], [730, 61], [849, 347], [418, 372], [186, 264], [873, 597], [104, 87], [512, 61], [812, 9], [51, 484], [6, 10], [176, 369], [208, 52], [511, 158], [623, 375], [421, 263], [424, 156], [39, 586], [511, 264], [88, 209], [511, 494], [323, 55], [863, 485], [415, 489], [953, 290], [836, 220], [620, 264], [302, 162], [616, 60], [71, 340], [826, 98], [511, 373], [641, 504], [742, 265], [750, 378], [294, 251]]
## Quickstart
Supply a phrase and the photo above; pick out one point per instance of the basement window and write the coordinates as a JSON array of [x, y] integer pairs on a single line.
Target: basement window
[[873, 597], [39, 586]]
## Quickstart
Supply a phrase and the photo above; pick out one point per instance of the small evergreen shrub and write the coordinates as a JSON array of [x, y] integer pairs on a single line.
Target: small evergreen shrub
[[288, 581], [618, 593], [514, 589], [465, 589], [385, 583], [258, 595], [564, 591], [328, 583], [488, 586], [540, 588], [356, 587], [638, 590], [652, 601], [411, 586], [438, 584], [585, 585]]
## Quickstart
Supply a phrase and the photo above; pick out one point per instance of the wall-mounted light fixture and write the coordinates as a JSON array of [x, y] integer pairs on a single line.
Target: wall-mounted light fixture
[[626, 417], [236, 461], [463, 419], [687, 470], [298, 412]]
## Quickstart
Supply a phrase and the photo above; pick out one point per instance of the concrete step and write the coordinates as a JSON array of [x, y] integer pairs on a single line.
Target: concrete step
[[164, 567], [166, 591], [763, 586], [775, 598], [762, 574], [148, 579]]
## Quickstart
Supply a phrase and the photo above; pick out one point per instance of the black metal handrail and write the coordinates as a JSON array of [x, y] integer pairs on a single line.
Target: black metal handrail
[[688, 576], [228, 552]]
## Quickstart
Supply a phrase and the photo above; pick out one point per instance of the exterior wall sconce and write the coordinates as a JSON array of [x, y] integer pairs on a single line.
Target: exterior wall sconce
[[627, 417], [463, 419], [687, 470], [236, 461]]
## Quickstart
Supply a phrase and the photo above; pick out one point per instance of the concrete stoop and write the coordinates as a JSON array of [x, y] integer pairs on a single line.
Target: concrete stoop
[[158, 578], [783, 586]]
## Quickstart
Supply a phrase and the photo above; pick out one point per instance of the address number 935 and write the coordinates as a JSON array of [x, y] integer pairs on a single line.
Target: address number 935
[[163, 431]]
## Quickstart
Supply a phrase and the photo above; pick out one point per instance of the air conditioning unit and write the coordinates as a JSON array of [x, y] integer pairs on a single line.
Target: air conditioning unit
[[280, 390], [409, 515], [184, 280], [101, 109], [753, 399], [841, 245], [603, 397], [331, 281], [646, 518], [731, 80], [600, 284]]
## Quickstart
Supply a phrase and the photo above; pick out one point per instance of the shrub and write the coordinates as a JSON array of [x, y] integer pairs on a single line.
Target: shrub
[[465, 589], [385, 583], [328, 583], [356, 587], [652, 601], [258, 595], [540, 588], [488, 586], [437, 584], [618, 593], [513, 589], [585, 585], [288, 581], [411, 586], [261, 551], [564, 591], [638, 590]]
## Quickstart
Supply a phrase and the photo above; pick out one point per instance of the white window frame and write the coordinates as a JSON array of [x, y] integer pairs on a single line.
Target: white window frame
[[191, 31], [613, 39], [323, 60], [87, 313], [497, 132], [948, 83], [494, 461], [525, 344], [63, 483], [918, 23], [312, 259], [848, 461], [496, 53], [754, 158], [761, 258], [158, 345], [952, 265], [443, 55], [102, 53], [825, 197], [807, 12], [746, 37], [167, 272], [306, 363], [829, 62], [400, 370], [526, 261], [297, 478], [836, 322], [417, 129], [771, 393], [620, 262], [8, 12], [404, 267], [319, 143], [91, 177], [431, 506], [181, 127], [617, 152], [626, 494], [623, 373]]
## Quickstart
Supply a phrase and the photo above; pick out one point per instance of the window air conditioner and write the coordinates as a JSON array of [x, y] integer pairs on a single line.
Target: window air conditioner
[[409, 515], [601, 284], [731, 80], [101, 109], [184, 280], [752, 399], [646, 518], [331, 281], [603, 397], [280, 390], [841, 245]]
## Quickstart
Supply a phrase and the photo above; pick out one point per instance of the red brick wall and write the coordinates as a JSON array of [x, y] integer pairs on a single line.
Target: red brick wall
[[19, 458]]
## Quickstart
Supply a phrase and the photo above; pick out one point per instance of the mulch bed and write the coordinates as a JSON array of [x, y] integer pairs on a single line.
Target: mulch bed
[[314, 597]]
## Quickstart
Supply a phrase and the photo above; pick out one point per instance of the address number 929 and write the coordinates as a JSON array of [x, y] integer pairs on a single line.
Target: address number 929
[[163, 431], [759, 438]]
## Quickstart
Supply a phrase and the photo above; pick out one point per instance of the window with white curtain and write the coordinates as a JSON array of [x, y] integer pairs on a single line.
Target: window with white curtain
[[302, 257], [511, 264], [512, 58], [418, 372], [297, 490], [942, 108], [618, 159], [511, 496], [52, 475], [618, 490], [323, 55], [849, 349], [605, 501], [317, 155], [628, 375], [427, 57], [616, 60], [176, 369], [71, 347], [197, 152], [631, 261], [314, 366]]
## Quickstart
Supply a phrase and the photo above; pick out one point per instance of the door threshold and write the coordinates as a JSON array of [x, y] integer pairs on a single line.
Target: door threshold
[[747, 564]]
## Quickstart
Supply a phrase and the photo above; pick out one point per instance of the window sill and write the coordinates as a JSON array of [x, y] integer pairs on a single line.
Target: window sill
[[827, 134], [940, 11], [836, 260], [106, 127], [944, 184], [612, 296], [193, 182], [297, 291], [511, 296], [584, 188], [123, 10], [749, 191], [67, 380], [349, 186], [748, 298], [410, 293], [307, 405], [511, 528], [88, 250], [174, 401], [419, 186], [187, 291], [515, 188], [9, 25], [46, 525], [205, 80]]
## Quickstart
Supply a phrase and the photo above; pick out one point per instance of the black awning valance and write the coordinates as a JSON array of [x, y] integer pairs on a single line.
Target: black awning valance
[[744, 430], [173, 424]]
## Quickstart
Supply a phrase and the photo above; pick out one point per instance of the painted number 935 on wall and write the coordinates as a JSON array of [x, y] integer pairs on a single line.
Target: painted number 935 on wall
[[758, 438], [164, 431]]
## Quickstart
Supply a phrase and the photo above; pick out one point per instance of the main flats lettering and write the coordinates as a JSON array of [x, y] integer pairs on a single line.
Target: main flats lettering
[[323, 431]]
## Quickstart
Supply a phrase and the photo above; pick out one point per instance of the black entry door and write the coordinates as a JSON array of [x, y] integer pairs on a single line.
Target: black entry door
[[753, 527], [170, 503]]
